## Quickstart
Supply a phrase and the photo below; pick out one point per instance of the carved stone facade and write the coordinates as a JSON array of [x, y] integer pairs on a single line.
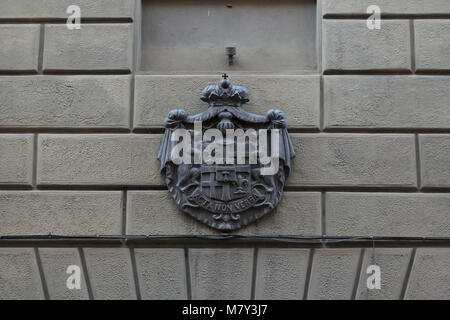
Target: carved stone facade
[[82, 116]]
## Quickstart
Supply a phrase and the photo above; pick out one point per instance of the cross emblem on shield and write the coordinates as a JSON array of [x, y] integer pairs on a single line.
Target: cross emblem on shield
[[226, 182]]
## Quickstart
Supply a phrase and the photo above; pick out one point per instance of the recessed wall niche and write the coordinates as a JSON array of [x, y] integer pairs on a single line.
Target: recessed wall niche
[[192, 36]]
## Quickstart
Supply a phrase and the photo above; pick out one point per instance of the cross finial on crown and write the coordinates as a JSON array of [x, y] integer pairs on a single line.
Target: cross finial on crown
[[225, 94]]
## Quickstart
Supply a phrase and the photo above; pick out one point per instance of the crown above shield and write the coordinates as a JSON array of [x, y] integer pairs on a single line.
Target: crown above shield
[[224, 93]]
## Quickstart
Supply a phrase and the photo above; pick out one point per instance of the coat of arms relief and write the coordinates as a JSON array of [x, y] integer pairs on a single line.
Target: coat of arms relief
[[226, 167]]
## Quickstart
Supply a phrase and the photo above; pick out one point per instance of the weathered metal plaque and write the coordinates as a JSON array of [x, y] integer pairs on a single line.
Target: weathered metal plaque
[[226, 167]]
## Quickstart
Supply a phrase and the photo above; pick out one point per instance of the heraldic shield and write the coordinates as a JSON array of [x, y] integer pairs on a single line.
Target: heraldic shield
[[231, 186]]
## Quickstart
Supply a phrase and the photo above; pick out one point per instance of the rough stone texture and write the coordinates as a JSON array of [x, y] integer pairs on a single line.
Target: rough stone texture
[[19, 275], [221, 273], [350, 45], [298, 213], [65, 101], [397, 7], [432, 44], [155, 213], [384, 102], [353, 160], [47, 9], [60, 212], [333, 274], [55, 262], [99, 159], [393, 263], [16, 158], [281, 273], [435, 160], [93, 47], [161, 273], [20, 49], [297, 96], [388, 214], [110, 273], [430, 277]]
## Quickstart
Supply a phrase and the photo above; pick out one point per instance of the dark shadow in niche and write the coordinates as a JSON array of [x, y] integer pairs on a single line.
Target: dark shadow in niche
[[181, 36]]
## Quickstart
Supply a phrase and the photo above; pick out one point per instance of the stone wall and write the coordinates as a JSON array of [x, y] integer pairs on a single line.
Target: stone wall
[[80, 128]]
